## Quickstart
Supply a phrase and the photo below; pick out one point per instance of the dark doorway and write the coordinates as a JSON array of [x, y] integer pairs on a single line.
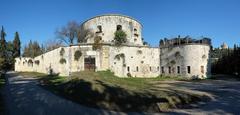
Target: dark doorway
[[89, 64]]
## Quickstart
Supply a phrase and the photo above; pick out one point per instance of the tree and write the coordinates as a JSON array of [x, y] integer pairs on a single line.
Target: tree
[[69, 33], [120, 37], [33, 49], [16, 46], [51, 45], [3, 44]]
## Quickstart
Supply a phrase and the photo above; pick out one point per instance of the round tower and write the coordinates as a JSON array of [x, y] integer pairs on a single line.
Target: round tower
[[104, 26]]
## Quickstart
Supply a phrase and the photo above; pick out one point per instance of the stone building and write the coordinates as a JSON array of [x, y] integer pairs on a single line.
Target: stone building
[[132, 58]]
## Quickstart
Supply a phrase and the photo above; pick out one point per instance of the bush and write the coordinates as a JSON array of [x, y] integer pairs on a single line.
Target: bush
[[62, 61], [62, 51], [77, 55], [120, 37]]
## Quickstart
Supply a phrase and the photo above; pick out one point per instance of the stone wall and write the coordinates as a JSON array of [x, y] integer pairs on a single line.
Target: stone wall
[[190, 60], [138, 61]]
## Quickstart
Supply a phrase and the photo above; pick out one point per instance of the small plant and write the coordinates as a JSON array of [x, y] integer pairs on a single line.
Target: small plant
[[62, 51], [62, 61], [119, 56], [30, 61], [77, 55], [120, 37], [97, 44], [177, 54], [129, 75], [139, 52], [37, 62], [173, 62], [204, 56]]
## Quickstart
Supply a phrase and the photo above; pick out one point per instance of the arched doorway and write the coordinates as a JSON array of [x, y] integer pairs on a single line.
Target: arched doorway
[[89, 63]]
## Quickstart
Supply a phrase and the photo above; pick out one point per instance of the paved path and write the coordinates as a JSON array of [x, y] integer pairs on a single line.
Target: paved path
[[226, 97], [24, 97]]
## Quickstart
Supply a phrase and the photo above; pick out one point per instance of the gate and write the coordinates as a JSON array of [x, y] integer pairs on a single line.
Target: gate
[[89, 64]]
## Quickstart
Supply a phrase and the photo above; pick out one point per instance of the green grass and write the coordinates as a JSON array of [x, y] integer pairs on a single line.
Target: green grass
[[104, 90], [32, 74]]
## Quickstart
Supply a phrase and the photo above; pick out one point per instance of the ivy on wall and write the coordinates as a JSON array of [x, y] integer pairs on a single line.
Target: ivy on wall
[[62, 51], [77, 55], [62, 61]]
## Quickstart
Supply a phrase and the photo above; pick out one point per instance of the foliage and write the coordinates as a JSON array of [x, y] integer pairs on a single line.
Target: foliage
[[3, 44], [177, 54], [97, 43], [228, 62], [129, 75], [119, 56], [62, 52], [120, 37], [77, 55], [52, 44], [69, 33], [139, 52], [32, 50], [173, 62], [62, 61], [16, 46], [6, 53], [37, 62]]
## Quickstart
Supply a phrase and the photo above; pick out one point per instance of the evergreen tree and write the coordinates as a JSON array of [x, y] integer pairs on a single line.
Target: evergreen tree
[[33, 49], [16, 45], [3, 44]]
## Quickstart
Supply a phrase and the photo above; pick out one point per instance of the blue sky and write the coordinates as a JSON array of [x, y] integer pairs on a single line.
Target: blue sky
[[39, 19]]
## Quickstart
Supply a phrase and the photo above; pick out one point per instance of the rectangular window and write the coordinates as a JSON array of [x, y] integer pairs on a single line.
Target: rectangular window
[[158, 68], [162, 69], [150, 68], [128, 68], [188, 69], [137, 68], [202, 69], [178, 69], [169, 69]]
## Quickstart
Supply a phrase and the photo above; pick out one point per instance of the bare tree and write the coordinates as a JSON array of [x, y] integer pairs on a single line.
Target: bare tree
[[52, 44], [69, 33], [84, 35]]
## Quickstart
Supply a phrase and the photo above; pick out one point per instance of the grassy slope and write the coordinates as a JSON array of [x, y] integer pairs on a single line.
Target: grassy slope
[[104, 90]]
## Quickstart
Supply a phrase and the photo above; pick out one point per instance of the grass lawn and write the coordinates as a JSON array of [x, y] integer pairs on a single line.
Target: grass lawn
[[2, 82], [104, 90]]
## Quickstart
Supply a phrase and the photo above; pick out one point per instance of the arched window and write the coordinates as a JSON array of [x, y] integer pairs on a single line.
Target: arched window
[[128, 68], [119, 27], [99, 27], [137, 68]]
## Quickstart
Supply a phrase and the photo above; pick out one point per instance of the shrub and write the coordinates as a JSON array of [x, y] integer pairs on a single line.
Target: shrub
[[139, 52], [37, 62], [120, 37], [118, 56], [129, 75], [97, 44], [62, 61], [77, 55], [62, 51]]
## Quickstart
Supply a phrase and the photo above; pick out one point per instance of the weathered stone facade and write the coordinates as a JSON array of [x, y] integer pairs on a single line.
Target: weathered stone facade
[[131, 59]]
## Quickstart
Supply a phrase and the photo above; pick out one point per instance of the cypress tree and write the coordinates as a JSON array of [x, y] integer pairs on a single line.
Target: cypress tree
[[3, 44], [16, 45]]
